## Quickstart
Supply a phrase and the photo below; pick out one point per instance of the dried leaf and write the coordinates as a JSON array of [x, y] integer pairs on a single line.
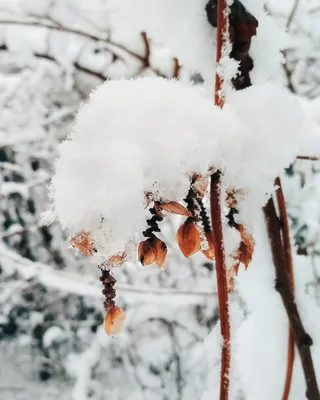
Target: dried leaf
[[146, 252], [201, 185], [117, 259], [152, 250], [84, 243], [175, 208], [161, 251], [245, 250], [114, 321], [188, 238]]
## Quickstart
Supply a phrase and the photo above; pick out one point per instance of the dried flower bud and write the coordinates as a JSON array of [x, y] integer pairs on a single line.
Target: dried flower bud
[[84, 243], [114, 321], [188, 238], [175, 208], [152, 250]]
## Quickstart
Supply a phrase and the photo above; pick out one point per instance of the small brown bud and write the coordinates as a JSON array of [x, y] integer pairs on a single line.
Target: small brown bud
[[114, 321], [188, 238], [117, 259], [84, 243]]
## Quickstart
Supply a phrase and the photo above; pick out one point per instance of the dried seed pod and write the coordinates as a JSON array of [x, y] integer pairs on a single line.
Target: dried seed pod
[[188, 238], [114, 321], [161, 252], [147, 252], [175, 208], [152, 250], [84, 243]]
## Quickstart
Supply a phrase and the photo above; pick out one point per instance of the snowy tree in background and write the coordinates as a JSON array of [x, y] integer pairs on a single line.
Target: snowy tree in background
[[150, 145]]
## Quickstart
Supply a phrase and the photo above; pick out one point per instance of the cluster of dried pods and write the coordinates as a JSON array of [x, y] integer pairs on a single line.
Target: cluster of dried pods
[[195, 234]]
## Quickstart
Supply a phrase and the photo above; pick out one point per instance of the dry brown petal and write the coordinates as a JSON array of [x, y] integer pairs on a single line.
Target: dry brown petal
[[161, 251], [147, 252], [84, 243], [114, 321], [188, 238], [152, 250], [209, 252], [175, 208], [117, 259]]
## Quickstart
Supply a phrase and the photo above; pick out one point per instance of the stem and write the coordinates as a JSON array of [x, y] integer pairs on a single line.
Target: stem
[[222, 32], [215, 210], [222, 282], [283, 285], [289, 265]]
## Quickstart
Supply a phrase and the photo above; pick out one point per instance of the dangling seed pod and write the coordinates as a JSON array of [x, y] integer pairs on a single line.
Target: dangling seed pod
[[152, 250], [115, 316], [188, 238]]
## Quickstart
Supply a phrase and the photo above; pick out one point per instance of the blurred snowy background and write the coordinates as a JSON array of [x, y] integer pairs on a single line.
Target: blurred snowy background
[[53, 53]]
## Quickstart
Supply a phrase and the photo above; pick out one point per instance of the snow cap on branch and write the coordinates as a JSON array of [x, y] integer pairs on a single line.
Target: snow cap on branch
[[150, 136]]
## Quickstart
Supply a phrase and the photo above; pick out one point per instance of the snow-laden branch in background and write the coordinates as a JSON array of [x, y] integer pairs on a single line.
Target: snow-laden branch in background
[[87, 52], [73, 283]]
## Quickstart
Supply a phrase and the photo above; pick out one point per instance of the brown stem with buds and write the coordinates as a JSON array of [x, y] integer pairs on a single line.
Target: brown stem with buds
[[222, 282], [289, 265], [283, 285], [215, 210]]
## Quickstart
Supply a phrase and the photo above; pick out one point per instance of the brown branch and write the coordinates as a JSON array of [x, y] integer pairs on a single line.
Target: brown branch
[[283, 285], [222, 282], [311, 158], [222, 32], [289, 266], [215, 210]]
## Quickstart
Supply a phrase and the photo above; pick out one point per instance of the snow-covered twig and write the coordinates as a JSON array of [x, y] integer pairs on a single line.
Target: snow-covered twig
[[222, 283], [73, 283], [289, 265], [283, 285], [215, 209]]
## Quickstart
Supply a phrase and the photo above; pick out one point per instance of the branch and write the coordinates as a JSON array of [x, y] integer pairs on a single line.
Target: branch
[[222, 283], [215, 210], [311, 158], [144, 59], [283, 286], [289, 266]]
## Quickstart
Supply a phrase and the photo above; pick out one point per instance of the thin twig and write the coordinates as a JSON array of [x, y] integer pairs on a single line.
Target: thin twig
[[222, 283], [215, 210], [289, 265], [283, 285], [222, 32], [311, 158]]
